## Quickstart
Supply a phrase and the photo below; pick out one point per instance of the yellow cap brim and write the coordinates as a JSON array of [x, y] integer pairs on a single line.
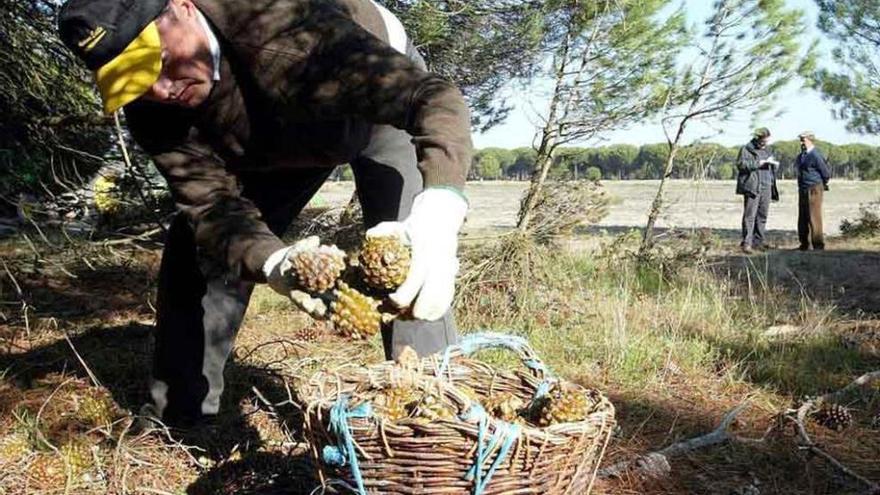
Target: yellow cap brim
[[132, 73]]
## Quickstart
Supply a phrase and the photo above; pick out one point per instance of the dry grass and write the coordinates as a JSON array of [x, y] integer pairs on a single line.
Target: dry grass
[[676, 342]]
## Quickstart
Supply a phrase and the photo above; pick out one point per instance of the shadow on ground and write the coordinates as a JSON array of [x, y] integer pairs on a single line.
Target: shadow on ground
[[845, 278], [731, 468], [119, 356]]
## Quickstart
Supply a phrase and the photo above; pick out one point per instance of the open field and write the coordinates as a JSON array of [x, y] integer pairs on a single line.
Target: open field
[[709, 204]]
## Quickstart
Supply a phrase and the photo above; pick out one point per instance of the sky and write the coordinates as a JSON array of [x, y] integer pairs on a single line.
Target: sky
[[799, 108]]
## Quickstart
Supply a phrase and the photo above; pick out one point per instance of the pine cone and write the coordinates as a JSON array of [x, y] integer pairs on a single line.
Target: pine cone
[[833, 416], [13, 447], [385, 262], [107, 195], [433, 407], [95, 410], [354, 314], [566, 406], [504, 406], [317, 270], [47, 471], [77, 458], [310, 333], [396, 403]]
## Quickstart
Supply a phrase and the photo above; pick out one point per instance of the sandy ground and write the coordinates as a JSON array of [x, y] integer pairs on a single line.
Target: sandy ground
[[710, 204]]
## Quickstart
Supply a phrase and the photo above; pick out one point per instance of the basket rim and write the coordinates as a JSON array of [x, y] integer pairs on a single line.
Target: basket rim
[[328, 387]]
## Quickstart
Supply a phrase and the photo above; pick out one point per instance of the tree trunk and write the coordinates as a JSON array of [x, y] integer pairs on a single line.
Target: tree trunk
[[542, 167], [648, 239]]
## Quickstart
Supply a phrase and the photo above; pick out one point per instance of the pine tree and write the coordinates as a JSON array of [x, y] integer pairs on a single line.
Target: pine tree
[[854, 85]]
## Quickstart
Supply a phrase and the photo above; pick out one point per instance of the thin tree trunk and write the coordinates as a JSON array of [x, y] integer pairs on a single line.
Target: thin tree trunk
[[648, 239], [553, 126], [674, 144], [542, 167]]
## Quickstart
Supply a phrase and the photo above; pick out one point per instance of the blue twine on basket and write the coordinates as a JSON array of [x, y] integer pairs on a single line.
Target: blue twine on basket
[[476, 341], [344, 450], [505, 434]]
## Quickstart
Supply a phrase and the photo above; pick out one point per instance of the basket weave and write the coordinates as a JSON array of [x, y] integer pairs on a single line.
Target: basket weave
[[419, 457]]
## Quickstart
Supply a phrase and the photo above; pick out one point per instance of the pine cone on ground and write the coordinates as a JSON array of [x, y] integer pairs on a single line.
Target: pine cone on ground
[[566, 406], [47, 471], [355, 315], [833, 416], [385, 262], [107, 195], [13, 447], [318, 269], [77, 458], [95, 410], [504, 406], [310, 333]]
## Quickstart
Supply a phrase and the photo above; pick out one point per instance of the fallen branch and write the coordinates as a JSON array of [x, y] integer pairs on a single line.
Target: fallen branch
[[25, 307], [805, 442], [656, 464], [861, 382]]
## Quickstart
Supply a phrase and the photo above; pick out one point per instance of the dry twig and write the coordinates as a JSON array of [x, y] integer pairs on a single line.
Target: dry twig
[[656, 464]]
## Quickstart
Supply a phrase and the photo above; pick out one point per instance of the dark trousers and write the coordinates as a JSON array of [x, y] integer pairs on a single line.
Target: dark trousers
[[810, 217], [754, 220], [200, 306]]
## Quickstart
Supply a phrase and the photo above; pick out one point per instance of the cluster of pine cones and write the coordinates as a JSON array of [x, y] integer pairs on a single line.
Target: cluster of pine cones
[[356, 284], [559, 406], [73, 456]]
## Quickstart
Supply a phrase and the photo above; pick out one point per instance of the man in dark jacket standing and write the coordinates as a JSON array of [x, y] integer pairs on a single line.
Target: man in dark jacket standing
[[756, 182], [813, 176], [246, 107]]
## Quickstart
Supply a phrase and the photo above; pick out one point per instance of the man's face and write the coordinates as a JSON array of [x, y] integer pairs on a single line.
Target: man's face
[[187, 67], [762, 142], [806, 143]]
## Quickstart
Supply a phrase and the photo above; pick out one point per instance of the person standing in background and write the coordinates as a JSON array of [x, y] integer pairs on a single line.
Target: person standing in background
[[813, 176], [756, 182]]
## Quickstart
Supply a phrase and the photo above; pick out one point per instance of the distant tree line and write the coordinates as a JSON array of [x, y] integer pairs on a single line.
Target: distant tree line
[[697, 161]]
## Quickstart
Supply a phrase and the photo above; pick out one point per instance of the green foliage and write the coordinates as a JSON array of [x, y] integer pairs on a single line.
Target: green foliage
[[726, 171], [480, 45], [47, 104], [698, 161], [747, 51], [487, 166], [593, 173], [866, 225], [609, 61], [524, 163], [854, 83]]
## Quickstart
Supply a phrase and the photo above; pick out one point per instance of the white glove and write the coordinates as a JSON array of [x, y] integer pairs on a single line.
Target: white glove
[[278, 271], [431, 231]]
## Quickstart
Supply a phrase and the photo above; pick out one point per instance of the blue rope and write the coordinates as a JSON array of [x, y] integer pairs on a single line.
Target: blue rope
[[477, 341], [344, 450], [505, 433]]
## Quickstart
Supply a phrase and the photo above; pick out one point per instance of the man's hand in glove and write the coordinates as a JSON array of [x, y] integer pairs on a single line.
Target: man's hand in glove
[[431, 231], [279, 274]]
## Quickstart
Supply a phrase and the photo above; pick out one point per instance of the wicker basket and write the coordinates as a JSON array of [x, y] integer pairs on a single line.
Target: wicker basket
[[356, 451]]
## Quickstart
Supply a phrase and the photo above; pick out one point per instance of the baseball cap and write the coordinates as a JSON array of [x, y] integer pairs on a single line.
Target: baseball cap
[[762, 132], [807, 134], [119, 41]]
